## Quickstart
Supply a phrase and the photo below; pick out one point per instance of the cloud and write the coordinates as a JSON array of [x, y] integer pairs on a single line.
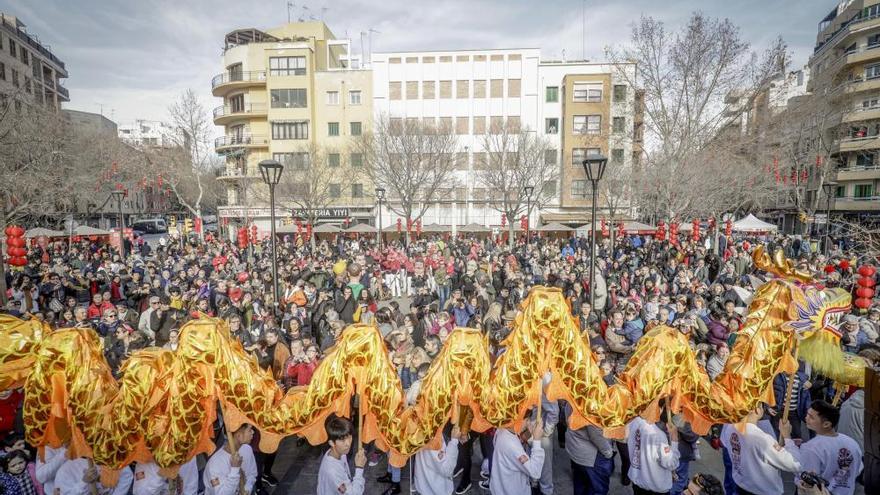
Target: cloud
[[133, 58]]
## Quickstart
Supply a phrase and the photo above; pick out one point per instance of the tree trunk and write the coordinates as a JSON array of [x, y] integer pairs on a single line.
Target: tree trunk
[[510, 234], [3, 287]]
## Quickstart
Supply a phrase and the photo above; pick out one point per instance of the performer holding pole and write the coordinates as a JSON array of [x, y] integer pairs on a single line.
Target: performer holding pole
[[334, 476], [232, 470]]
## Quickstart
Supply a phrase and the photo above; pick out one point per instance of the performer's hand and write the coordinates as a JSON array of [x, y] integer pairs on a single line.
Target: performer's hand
[[360, 459], [538, 430], [771, 411], [673, 432], [235, 460], [784, 428]]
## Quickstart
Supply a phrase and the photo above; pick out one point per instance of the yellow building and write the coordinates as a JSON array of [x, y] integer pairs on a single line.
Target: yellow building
[[294, 94], [845, 67]]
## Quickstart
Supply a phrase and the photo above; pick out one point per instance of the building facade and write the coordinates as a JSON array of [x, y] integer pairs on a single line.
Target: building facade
[[578, 107], [29, 72], [294, 94], [845, 67], [149, 133]]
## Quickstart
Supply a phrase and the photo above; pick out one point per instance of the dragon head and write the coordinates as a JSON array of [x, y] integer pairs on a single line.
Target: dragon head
[[815, 315]]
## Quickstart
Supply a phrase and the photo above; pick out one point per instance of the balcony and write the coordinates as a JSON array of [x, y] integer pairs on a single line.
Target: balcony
[[227, 81], [862, 113], [853, 26], [227, 143], [226, 113], [63, 94], [858, 143], [853, 203], [858, 172]]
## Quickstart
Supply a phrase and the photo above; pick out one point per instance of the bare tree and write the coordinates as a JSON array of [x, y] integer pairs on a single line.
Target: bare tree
[[686, 76], [411, 159], [514, 159]]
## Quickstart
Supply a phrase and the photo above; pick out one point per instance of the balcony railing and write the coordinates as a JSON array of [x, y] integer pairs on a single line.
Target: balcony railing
[[857, 198], [63, 91], [238, 76], [858, 168], [224, 110], [241, 140], [841, 31], [33, 43]]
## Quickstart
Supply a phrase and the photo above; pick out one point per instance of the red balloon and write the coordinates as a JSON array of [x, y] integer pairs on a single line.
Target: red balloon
[[863, 303], [865, 292], [867, 282], [867, 270]]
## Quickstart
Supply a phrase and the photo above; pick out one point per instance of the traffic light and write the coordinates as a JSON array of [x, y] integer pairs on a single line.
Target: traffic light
[[172, 223], [187, 225]]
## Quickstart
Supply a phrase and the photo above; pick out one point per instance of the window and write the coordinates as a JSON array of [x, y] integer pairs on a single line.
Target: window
[[332, 128], [551, 126], [2, 71], [15, 78], [12, 48], [549, 157], [429, 90], [462, 125], [446, 58], [394, 90], [287, 66], [462, 89], [617, 156], [580, 189], [479, 160], [549, 188], [288, 98], [394, 60], [587, 92], [461, 161], [587, 124], [496, 124], [412, 90], [840, 192], [873, 40], [290, 130], [298, 161], [496, 88], [618, 124], [579, 154], [552, 94], [412, 60], [24, 55], [427, 60], [514, 123], [445, 125], [235, 104], [496, 58], [357, 160], [479, 89], [357, 190], [513, 88], [865, 159], [333, 159], [863, 190], [355, 128], [333, 97], [479, 125], [445, 89], [334, 190], [619, 92], [27, 85], [872, 71]]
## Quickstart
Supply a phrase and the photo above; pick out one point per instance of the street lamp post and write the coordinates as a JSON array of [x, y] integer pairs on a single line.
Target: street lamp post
[[271, 171], [380, 195], [118, 195], [594, 168], [528, 190], [829, 188]]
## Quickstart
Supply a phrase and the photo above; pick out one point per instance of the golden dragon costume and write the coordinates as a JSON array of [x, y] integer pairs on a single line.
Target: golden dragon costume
[[163, 408]]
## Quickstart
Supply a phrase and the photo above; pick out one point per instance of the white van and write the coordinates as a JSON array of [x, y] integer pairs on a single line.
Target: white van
[[151, 226]]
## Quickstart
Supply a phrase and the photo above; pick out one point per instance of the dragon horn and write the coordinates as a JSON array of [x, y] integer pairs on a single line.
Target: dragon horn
[[779, 265]]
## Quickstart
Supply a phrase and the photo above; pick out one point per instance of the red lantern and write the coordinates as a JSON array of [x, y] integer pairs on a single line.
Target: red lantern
[[242, 238], [867, 271], [308, 231], [844, 264], [17, 262], [660, 235], [728, 227], [399, 225], [865, 292], [867, 282], [604, 227], [503, 219], [695, 230], [419, 227], [254, 238], [863, 303], [620, 231], [17, 251]]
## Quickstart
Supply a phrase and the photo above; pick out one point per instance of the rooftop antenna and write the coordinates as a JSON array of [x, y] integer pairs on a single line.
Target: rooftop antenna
[[371, 41], [363, 56], [290, 5]]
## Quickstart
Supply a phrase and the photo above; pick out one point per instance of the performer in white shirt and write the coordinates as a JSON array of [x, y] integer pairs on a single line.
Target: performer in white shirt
[[756, 458], [76, 477], [48, 466], [834, 456], [148, 481], [433, 469], [652, 457], [334, 477], [232, 473], [512, 467]]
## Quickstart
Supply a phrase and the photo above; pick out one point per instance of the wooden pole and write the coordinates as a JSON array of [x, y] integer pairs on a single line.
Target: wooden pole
[[789, 389], [838, 395]]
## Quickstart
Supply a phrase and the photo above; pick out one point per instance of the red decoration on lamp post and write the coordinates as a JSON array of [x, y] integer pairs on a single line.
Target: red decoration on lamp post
[[620, 230], [695, 230], [15, 247], [399, 225], [728, 227]]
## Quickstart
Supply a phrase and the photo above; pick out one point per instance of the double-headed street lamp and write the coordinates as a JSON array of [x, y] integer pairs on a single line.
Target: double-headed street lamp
[[528, 190], [829, 188], [594, 168], [118, 195], [271, 171], [380, 195]]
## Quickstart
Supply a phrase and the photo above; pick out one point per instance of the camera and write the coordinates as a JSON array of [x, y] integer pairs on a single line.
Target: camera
[[811, 479]]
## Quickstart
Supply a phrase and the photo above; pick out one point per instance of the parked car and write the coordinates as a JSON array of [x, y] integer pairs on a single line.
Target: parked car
[[151, 226]]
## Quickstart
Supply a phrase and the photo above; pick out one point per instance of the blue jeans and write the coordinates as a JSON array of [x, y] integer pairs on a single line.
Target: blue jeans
[[395, 473], [592, 480], [681, 478], [443, 294], [729, 485]]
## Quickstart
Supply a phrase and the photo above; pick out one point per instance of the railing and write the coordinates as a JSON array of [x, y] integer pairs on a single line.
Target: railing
[[853, 139], [63, 91], [241, 140], [238, 76], [33, 43], [842, 30], [857, 198], [858, 168], [223, 110]]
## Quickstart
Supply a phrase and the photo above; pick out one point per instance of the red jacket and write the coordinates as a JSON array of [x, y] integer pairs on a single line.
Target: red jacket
[[98, 311], [8, 412], [301, 373]]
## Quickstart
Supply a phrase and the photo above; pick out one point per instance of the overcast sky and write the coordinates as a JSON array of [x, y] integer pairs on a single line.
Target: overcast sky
[[132, 57]]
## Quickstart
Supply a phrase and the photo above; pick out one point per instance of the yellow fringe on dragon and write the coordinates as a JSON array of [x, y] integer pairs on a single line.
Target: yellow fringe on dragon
[[163, 408]]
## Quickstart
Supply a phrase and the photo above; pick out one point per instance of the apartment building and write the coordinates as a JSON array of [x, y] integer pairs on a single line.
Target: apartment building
[[845, 67], [149, 133], [29, 72], [287, 92], [579, 107]]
